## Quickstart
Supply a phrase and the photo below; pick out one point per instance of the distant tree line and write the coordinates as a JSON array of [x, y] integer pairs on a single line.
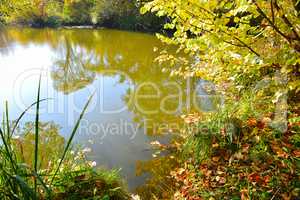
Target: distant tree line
[[123, 14]]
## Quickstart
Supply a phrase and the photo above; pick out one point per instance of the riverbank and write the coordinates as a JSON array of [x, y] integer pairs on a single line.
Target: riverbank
[[259, 162], [249, 146], [141, 28]]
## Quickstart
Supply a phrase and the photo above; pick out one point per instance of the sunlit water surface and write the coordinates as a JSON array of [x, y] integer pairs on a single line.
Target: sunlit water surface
[[134, 101]]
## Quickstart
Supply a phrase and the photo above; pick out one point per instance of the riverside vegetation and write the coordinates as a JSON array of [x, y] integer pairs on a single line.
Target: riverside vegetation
[[55, 13], [27, 173], [249, 148]]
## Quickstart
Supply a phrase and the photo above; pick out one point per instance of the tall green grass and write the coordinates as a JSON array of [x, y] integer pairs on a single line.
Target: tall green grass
[[21, 181], [15, 177]]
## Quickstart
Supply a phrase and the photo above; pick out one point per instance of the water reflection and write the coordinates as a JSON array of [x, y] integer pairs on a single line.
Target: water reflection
[[4, 41], [50, 141], [70, 70], [120, 67]]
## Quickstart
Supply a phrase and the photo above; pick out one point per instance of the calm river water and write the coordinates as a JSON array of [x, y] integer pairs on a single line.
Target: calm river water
[[134, 103]]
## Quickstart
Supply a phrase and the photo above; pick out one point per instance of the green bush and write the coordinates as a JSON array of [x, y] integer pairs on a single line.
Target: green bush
[[79, 13], [53, 21]]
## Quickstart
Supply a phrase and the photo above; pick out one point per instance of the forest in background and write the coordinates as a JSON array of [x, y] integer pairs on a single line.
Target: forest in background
[[118, 14]]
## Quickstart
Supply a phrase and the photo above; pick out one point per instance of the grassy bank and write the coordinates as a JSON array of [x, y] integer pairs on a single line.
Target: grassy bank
[[248, 148], [240, 158]]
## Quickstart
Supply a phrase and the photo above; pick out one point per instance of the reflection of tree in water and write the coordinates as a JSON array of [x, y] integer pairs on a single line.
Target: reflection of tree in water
[[86, 53], [5, 41], [70, 72], [161, 112], [161, 183], [117, 54], [170, 98], [50, 141]]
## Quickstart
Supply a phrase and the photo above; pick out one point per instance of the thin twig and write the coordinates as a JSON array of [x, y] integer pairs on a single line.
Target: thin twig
[[270, 22], [243, 44], [272, 11], [287, 21], [275, 194]]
